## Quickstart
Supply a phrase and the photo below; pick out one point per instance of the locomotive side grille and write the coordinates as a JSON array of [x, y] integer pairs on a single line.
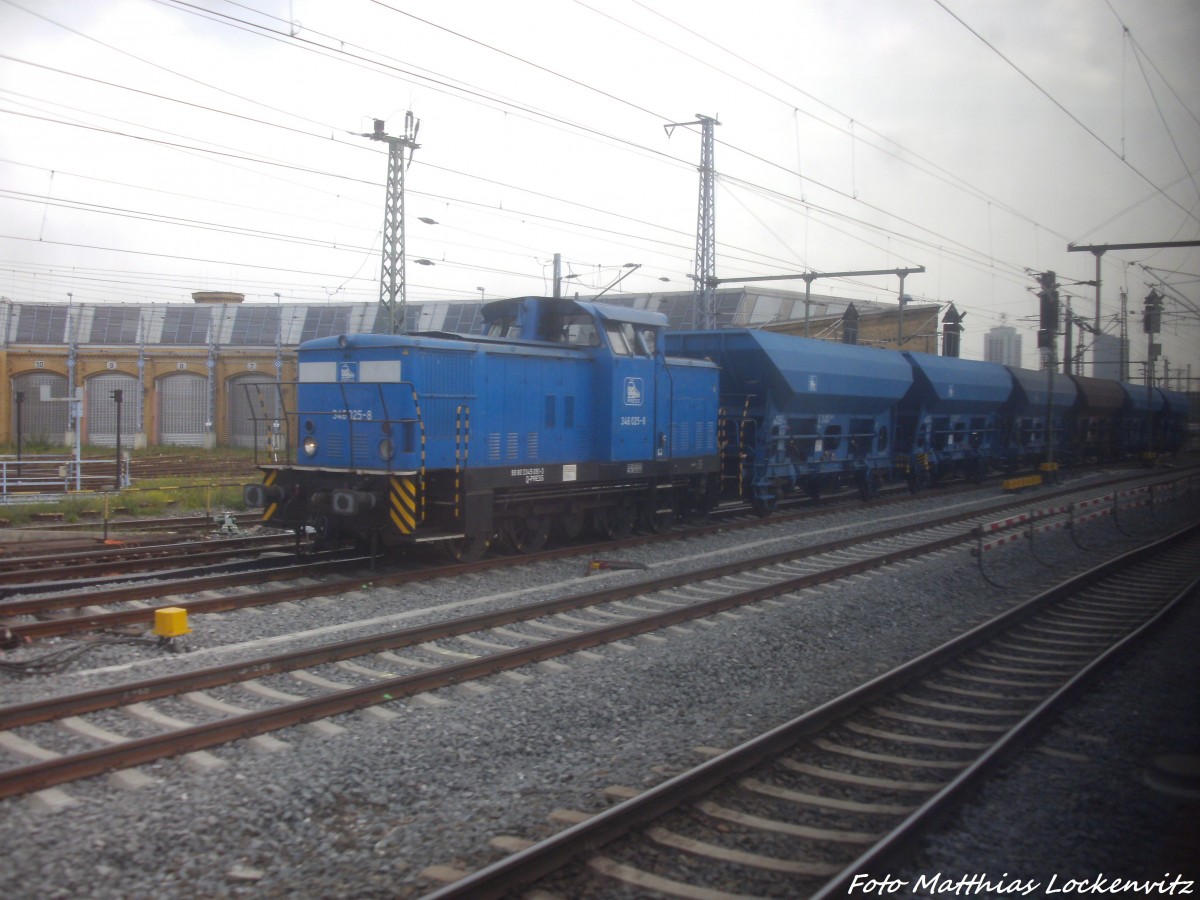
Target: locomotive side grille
[[335, 446], [511, 445], [681, 440], [493, 446], [531, 445], [361, 449]]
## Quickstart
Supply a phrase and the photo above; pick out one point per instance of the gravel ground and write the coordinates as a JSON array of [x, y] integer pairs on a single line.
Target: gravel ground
[[362, 812], [1077, 806]]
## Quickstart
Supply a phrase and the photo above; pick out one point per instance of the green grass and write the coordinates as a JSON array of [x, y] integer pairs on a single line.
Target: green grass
[[205, 493]]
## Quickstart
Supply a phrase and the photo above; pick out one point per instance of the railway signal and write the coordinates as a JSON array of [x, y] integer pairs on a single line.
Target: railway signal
[[1048, 309], [1152, 313]]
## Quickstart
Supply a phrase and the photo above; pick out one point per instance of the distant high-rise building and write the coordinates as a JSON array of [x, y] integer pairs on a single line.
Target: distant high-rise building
[[1002, 344], [1106, 361]]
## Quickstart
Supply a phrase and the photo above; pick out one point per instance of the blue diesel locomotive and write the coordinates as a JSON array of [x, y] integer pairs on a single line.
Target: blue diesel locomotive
[[564, 415], [569, 415]]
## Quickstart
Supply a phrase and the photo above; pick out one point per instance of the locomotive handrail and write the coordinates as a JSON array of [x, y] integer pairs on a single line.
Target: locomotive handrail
[[268, 429], [294, 417]]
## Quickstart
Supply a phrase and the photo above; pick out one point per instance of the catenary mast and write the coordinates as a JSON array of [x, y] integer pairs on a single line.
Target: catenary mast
[[391, 276], [706, 224]]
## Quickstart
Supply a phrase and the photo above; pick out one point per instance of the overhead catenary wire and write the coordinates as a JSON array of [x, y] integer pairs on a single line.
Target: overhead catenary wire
[[539, 67], [544, 69], [1041, 90], [939, 240]]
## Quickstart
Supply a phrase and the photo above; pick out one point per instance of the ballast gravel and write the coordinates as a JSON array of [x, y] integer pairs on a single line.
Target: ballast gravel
[[364, 810]]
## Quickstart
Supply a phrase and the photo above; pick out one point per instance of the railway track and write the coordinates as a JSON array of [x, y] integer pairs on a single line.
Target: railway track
[[810, 807], [87, 600], [139, 526], [362, 673], [78, 569]]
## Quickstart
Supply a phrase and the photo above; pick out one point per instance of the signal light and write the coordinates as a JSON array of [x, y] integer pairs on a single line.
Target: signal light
[[1152, 314], [1048, 298]]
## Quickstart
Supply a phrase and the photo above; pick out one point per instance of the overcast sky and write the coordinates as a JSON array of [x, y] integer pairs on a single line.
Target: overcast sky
[[149, 148]]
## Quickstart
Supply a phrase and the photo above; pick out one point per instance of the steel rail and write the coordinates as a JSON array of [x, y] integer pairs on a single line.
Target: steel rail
[[102, 621], [136, 751], [64, 574], [101, 698], [1019, 733], [547, 856], [99, 621]]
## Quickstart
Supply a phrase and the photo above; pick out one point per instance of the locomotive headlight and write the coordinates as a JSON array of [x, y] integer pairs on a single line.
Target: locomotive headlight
[[310, 445], [387, 449]]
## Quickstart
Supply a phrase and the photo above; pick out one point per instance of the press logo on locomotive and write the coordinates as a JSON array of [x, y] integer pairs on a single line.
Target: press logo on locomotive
[[634, 391]]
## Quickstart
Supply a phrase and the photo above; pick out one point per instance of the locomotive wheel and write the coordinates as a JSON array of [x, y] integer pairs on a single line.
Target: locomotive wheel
[[615, 522], [761, 507], [523, 534], [568, 526], [466, 549]]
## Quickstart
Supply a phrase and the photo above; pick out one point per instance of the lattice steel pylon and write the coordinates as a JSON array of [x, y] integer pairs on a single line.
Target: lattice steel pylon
[[391, 276], [704, 315]]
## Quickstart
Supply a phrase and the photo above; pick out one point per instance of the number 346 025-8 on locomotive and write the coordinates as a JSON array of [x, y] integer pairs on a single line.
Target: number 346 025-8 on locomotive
[[566, 415]]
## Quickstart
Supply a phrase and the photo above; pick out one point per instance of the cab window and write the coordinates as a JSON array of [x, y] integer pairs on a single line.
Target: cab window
[[504, 327], [576, 330], [618, 338]]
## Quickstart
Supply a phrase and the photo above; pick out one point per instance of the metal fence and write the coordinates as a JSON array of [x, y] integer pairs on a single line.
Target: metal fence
[[59, 474]]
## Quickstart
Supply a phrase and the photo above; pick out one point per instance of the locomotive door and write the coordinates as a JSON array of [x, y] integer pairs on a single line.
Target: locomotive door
[[632, 382]]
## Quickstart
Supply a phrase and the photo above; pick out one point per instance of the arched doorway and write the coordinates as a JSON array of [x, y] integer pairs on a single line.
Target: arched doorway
[[102, 409], [253, 408], [42, 421], [182, 409]]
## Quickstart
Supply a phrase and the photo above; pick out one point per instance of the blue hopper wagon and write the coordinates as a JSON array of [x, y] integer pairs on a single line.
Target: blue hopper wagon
[[1035, 396], [1096, 418], [1173, 427], [950, 421], [798, 413], [1143, 414]]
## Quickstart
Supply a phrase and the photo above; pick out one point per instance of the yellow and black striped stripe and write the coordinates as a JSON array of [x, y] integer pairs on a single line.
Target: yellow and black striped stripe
[[267, 482], [403, 504]]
